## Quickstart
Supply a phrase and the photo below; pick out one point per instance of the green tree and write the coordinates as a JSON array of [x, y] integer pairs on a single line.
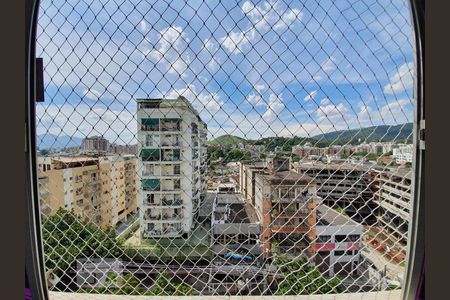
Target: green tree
[[164, 286], [300, 278], [66, 238]]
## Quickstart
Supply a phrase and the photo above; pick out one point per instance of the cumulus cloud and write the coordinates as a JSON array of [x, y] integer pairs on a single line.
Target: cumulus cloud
[[274, 107], [117, 125], [143, 25], [170, 50], [263, 17], [402, 80], [271, 14], [92, 94], [210, 45], [255, 99], [235, 42], [329, 64], [259, 87], [332, 113], [210, 102], [324, 101], [310, 96]]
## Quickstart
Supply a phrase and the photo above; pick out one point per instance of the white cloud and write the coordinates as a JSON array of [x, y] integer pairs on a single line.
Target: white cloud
[[263, 17], [92, 94], [259, 87], [402, 80], [289, 18], [170, 51], [210, 102], [143, 25], [394, 112], [332, 113], [271, 14], [255, 100], [235, 42], [210, 45], [117, 125], [274, 107], [324, 101], [310, 96], [397, 112], [329, 64]]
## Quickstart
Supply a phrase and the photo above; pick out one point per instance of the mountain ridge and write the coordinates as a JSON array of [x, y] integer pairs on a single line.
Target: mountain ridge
[[380, 133]]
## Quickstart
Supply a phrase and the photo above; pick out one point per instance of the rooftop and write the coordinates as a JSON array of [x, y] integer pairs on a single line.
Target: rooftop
[[328, 216], [180, 102], [331, 166], [287, 178], [230, 208]]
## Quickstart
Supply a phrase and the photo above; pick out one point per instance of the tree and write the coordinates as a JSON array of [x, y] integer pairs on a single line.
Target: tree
[[164, 286], [66, 238], [300, 278]]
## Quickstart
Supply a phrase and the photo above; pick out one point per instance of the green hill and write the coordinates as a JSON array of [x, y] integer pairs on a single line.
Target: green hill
[[382, 133], [227, 140]]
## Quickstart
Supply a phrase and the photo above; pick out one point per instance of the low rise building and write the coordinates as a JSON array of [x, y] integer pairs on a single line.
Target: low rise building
[[343, 185], [393, 196], [403, 154], [338, 242], [284, 203], [234, 225], [101, 190]]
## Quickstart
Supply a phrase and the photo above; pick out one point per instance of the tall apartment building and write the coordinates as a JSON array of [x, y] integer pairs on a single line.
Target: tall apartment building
[[101, 190], [172, 166], [393, 194], [95, 143], [284, 203], [344, 185]]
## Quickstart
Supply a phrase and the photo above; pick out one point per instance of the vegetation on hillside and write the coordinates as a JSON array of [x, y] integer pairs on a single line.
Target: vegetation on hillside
[[383, 133]]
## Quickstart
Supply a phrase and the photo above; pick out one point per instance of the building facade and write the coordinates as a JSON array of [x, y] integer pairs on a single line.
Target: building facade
[[403, 154], [284, 203], [338, 242], [172, 166], [393, 195], [95, 143], [344, 185], [101, 190]]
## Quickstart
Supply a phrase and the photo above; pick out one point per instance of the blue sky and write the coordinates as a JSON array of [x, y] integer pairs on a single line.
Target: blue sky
[[251, 69]]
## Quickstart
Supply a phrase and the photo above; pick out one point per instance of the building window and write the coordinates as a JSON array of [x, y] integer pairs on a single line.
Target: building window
[[339, 253], [340, 238], [324, 238], [353, 237]]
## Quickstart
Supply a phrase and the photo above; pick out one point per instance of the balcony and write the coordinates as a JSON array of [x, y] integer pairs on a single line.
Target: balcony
[[44, 194], [176, 202], [148, 124], [90, 171], [43, 179], [172, 217], [171, 125], [278, 227], [170, 141], [148, 217]]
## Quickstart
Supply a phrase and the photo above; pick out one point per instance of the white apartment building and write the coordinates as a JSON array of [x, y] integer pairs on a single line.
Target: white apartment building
[[171, 166], [403, 154], [338, 242]]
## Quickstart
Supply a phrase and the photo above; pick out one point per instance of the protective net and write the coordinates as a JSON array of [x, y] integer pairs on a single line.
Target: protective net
[[225, 147]]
